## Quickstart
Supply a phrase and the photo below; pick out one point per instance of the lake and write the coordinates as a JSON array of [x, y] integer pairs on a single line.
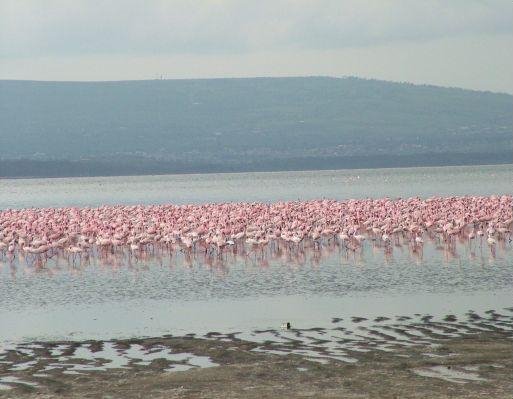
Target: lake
[[179, 296], [265, 187]]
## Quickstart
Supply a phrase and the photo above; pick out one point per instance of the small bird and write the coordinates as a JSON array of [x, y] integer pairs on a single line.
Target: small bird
[[286, 326], [491, 241]]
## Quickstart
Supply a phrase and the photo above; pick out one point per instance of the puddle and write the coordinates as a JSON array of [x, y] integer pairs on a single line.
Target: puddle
[[112, 357], [438, 355], [457, 376], [102, 357], [9, 382], [471, 368], [321, 360], [23, 366], [179, 367], [58, 350], [334, 343], [201, 361]]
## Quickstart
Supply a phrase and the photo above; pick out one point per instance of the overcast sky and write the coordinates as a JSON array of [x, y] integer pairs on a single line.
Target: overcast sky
[[463, 43]]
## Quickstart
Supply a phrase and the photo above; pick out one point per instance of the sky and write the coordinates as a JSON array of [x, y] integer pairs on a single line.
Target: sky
[[457, 43]]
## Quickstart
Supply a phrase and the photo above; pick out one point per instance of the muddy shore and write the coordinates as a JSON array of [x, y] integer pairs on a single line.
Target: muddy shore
[[222, 366]]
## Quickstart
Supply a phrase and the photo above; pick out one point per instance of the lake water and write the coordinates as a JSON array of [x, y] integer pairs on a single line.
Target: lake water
[[248, 187], [63, 301]]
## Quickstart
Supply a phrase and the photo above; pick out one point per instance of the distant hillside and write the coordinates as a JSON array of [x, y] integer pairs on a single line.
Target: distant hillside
[[166, 126]]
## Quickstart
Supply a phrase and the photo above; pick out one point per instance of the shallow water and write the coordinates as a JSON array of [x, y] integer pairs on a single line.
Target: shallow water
[[105, 301], [266, 187], [173, 296]]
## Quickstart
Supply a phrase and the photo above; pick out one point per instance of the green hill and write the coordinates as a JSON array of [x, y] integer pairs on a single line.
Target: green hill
[[162, 126]]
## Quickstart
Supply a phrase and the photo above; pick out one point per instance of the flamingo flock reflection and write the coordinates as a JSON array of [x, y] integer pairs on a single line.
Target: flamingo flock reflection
[[261, 231]]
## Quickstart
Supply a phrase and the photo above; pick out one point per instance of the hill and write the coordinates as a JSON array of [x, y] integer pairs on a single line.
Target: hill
[[174, 126]]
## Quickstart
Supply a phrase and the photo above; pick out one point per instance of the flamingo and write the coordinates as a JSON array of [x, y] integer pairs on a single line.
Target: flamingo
[[112, 231]]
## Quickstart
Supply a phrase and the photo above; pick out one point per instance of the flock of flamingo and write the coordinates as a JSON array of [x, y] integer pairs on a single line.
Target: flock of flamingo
[[37, 235]]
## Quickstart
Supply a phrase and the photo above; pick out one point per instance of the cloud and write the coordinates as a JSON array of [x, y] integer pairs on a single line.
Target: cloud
[[465, 43], [481, 62], [31, 28]]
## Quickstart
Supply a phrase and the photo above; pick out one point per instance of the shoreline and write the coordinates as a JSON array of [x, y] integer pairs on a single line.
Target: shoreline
[[469, 366]]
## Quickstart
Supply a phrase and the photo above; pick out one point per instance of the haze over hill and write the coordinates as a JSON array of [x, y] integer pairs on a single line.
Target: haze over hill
[[204, 125]]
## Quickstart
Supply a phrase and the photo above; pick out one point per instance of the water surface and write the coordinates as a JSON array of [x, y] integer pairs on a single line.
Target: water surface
[[62, 301], [248, 187]]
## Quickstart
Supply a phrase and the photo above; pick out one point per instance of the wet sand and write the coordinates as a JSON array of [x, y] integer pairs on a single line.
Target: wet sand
[[456, 357]]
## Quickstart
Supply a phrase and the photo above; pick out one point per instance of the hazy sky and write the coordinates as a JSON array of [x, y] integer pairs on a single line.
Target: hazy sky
[[464, 43]]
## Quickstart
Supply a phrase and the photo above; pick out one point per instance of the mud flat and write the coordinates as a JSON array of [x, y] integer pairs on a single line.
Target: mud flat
[[454, 359]]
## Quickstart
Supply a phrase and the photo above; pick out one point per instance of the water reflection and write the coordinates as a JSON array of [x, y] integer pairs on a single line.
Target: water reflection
[[329, 269], [308, 253], [245, 288]]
